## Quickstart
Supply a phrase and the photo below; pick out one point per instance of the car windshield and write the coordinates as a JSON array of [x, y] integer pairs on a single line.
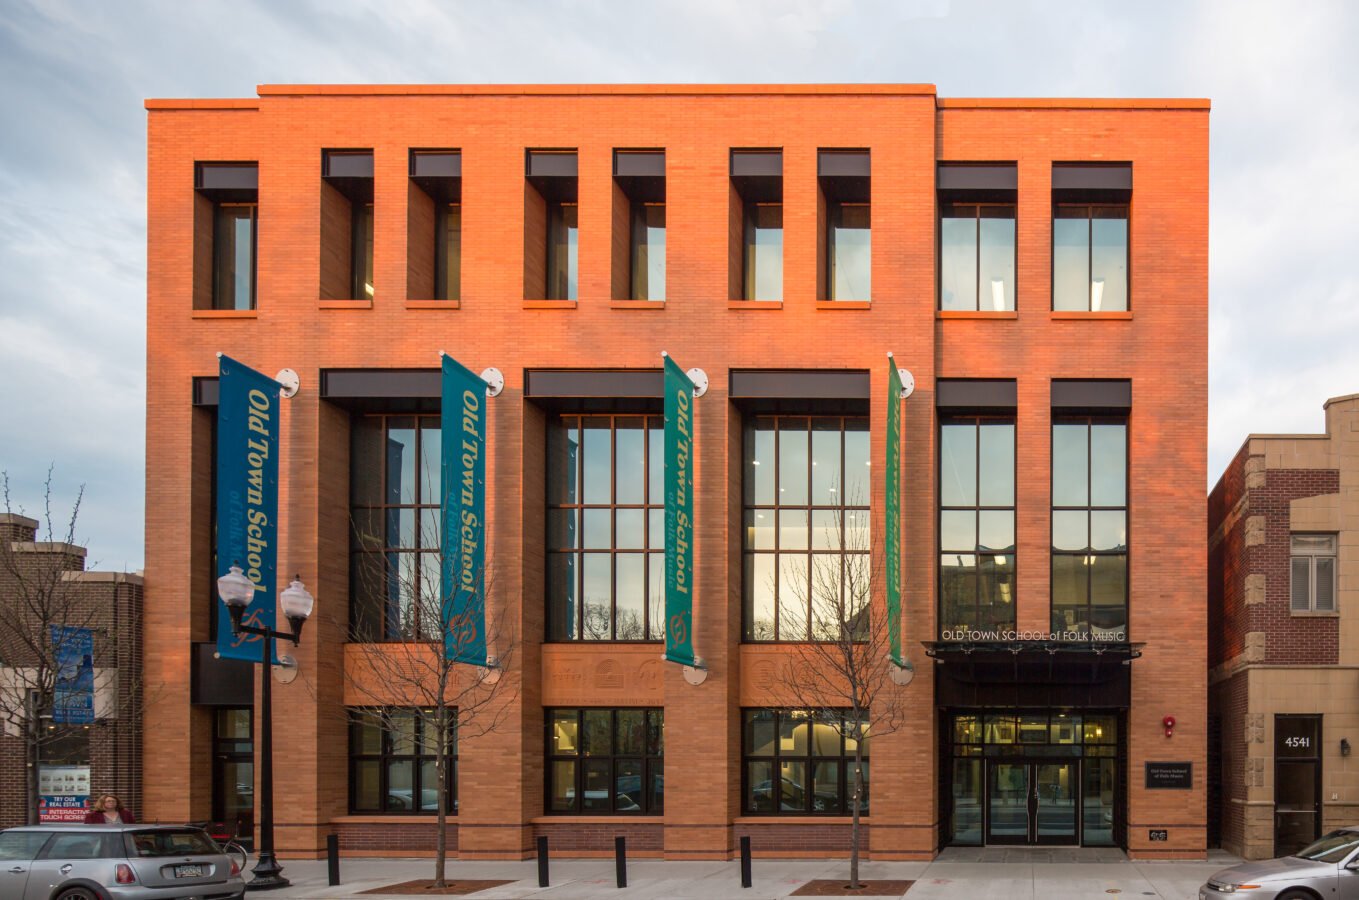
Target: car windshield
[[1332, 848], [187, 842]]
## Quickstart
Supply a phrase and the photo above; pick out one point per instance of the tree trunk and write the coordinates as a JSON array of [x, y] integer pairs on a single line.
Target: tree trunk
[[441, 828], [854, 826], [32, 738]]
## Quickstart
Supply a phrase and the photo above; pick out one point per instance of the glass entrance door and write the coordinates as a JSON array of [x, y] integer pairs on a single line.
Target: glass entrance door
[[1032, 802]]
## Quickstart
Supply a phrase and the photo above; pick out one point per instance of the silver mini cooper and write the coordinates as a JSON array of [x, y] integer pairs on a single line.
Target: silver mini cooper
[[115, 862], [1326, 870]]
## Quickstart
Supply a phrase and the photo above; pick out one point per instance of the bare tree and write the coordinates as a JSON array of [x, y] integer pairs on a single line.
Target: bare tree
[[419, 665], [843, 675], [42, 608]]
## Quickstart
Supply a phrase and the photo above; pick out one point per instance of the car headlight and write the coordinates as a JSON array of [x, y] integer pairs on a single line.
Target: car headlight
[[1233, 888]]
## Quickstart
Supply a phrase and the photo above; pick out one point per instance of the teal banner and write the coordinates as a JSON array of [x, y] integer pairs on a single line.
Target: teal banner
[[463, 480], [247, 498], [894, 390], [679, 515]]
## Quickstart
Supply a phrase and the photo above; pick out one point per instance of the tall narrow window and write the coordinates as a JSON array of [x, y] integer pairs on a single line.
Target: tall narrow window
[[394, 498], [1312, 572], [977, 256], [551, 225], [606, 528], [806, 524], [639, 225], [434, 226], [562, 251], [347, 225], [1090, 528], [448, 253], [361, 252], [843, 178], [225, 217], [606, 761], [757, 188], [976, 524], [394, 760]]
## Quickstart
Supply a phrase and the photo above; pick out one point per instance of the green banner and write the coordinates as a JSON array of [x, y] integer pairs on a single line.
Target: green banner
[[894, 389], [679, 515]]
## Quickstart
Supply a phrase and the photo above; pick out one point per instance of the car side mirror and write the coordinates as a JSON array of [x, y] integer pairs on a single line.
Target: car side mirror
[[1353, 865]]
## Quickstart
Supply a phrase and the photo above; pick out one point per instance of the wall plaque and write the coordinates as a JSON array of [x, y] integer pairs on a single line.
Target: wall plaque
[[1158, 834], [1170, 776]]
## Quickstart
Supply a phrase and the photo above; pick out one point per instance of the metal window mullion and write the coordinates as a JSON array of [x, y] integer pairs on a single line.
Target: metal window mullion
[[976, 285]]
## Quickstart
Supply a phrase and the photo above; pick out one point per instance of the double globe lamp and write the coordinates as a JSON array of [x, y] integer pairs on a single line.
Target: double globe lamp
[[236, 591]]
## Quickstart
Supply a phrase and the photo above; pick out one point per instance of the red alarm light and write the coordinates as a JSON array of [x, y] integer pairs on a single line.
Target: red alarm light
[[1169, 723]]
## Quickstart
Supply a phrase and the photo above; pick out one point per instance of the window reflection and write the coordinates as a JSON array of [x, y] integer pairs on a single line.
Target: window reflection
[[851, 252], [233, 268], [1090, 257], [977, 256], [648, 251], [1090, 529], [617, 766], [807, 769], [764, 251], [976, 524], [562, 255]]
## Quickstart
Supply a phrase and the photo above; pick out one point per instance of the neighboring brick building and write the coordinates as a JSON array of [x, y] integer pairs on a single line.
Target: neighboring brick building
[[1039, 265], [44, 584], [1284, 647]]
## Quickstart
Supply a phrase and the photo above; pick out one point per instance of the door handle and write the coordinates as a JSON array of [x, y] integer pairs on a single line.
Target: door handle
[[17, 870], [66, 869]]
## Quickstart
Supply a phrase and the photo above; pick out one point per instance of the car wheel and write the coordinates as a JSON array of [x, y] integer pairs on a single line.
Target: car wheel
[[1296, 895], [77, 893]]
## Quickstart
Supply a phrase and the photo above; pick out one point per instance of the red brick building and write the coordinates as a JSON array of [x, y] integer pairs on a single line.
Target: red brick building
[[1285, 645], [1040, 266]]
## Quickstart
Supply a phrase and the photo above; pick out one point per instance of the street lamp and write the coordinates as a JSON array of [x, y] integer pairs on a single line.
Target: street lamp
[[236, 592]]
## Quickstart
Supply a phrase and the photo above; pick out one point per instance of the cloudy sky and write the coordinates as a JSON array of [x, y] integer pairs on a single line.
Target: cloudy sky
[[1283, 78]]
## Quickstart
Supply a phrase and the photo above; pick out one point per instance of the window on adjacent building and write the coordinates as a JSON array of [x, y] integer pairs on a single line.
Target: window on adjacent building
[[757, 224], [394, 760], [797, 762], [977, 256], [976, 523], [434, 226], [1090, 257], [606, 528], [394, 507], [1090, 527], [225, 223], [844, 182], [347, 225], [806, 525], [1312, 572], [551, 226], [639, 224], [606, 761]]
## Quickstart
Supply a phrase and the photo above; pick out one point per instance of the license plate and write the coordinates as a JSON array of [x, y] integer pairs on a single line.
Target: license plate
[[188, 871]]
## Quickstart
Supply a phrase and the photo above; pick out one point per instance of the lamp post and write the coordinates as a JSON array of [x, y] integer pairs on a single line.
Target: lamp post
[[236, 592]]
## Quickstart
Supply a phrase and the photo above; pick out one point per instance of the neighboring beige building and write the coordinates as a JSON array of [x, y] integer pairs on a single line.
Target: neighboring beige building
[[1283, 588]]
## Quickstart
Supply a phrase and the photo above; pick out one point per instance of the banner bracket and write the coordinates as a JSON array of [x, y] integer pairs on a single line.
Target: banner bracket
[[495, 381], [700, 380], [902, 675], [288, 382], [696, 674]]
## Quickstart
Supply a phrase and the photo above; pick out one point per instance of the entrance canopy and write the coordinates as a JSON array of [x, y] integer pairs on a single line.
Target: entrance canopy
[[1033, 673]]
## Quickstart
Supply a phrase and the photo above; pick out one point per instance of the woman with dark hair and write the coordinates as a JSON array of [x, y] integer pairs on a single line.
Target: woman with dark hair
[[109, 810]]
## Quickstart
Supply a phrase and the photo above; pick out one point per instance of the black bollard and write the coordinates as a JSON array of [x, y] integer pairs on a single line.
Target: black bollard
[[333, 859], [542, 860], [620, 859], [746, 880]]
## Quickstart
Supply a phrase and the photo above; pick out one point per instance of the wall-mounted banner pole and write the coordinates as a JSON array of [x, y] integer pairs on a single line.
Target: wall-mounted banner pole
[[900, 386], [463, 504], [247, 498], [680, 392]]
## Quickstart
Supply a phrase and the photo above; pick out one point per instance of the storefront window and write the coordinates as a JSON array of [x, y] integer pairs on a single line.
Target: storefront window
[[606, 761], [393, 761], [797, 762]]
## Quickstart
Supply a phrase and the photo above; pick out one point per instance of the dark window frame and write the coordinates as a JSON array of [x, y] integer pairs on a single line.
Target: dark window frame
[[845, 761], [387, 755], [749, 252], [219, 215], [638, 224], [834, 215], [1090, 208], [978, 507], [652, 762], [977, 207], [841, 510], [1089, 421], [385, 632], [446, 286], [362, 236], [652, 557], [556, 259], [1313, 583]]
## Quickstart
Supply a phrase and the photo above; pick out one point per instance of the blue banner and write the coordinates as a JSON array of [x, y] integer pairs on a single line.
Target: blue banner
[[247, 498], [73, 692], [463, 540], [679, 515]]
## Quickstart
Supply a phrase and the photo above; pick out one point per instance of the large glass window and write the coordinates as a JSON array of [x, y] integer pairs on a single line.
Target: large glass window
[[1090, 257], [394, 497], [976, 524], [806, 522], [1090, 528], [764, 251], [393, 761], [977, 256], [606, 528], [648, 251], [562, 247], [606, 761], [1312, 572], [233, 256], [797, 762], [851, 251]]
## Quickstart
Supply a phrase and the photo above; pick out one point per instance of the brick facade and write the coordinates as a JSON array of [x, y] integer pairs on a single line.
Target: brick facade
[[503, 321]]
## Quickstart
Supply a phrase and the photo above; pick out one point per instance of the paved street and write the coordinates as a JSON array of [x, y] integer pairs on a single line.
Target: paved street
[[956, 875]]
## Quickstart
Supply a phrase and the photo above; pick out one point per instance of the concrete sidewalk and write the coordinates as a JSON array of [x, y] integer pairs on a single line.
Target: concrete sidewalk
[[955, 875]]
